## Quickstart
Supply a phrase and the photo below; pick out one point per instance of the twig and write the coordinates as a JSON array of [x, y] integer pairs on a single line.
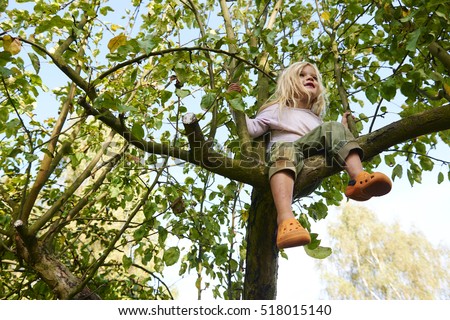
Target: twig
[[419, 154], [180, 49], [156, 277], [93, 269]]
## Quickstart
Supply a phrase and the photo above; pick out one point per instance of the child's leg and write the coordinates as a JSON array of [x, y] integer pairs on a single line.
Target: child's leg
[[290, 232], [353, 164], [282, 187], [336, 140]]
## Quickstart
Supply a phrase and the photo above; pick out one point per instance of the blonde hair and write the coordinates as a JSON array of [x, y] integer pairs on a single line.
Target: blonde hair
[[290, 90]]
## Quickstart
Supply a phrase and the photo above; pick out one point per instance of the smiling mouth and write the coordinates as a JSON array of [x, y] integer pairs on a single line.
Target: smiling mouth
[[310, 85]]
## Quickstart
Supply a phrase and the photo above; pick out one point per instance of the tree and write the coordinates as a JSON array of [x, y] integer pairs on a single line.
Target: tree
[[373, 260], [140, 153]]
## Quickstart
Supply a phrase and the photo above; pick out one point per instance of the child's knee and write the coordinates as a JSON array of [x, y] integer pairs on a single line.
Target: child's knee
[[283, 165]]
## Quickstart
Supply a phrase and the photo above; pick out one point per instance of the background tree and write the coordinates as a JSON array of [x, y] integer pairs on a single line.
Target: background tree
[[118, 149], [373, 260]]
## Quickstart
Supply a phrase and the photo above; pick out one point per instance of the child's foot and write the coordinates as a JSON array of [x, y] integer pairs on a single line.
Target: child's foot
[[292, 234], [367, 185]]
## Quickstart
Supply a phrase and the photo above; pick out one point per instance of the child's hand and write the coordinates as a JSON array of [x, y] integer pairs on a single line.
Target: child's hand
[[345, 118], [234, 87]]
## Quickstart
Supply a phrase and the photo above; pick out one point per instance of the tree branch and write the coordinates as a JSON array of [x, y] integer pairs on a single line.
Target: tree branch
[[111, 163], [156, 277], [250, 171], [438, 52], [66, 44], [48, 162], [212, 83], [93, 269], [39, 223], [340, 85], [65, 68], [172, 50]]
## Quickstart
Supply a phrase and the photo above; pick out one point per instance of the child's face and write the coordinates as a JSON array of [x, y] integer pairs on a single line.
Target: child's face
[[309, 79]]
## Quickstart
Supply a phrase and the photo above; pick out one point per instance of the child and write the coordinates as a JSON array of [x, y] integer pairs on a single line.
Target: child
[[293, 118]]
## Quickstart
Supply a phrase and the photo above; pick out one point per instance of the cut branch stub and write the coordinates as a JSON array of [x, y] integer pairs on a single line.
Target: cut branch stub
[[197, 142]]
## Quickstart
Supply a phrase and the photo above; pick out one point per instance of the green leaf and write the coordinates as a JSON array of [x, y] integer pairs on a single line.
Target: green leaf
[[221, 254], [408, 89], [171, 256], [389, 159], [15, 152], [318, 210], [133, 76], [388, 89], [106, 100], [3, 6], [420, 147], [240, 68], [440, 177], [5, 57], [4, 114], [182, 93], [35, 61], [148, 43], [372, 94], [162, 235], [413, 37], [319, 252], [397, 172], [165, 96], [207, 101], [426, 163], [315, 242], [235, 100], [5, 72], [140, 233], [137, 131], [237, 104], [127, 262]]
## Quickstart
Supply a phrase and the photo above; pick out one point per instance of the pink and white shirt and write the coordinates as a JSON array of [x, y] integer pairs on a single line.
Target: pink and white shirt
[[285, 125]]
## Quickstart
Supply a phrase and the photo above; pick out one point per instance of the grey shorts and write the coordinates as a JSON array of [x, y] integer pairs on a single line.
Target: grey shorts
[[332, 139]]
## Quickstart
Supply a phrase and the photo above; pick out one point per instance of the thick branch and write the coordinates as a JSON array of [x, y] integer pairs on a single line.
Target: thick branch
[[433, 120], [254, 172], [201, 153], [247, 171]]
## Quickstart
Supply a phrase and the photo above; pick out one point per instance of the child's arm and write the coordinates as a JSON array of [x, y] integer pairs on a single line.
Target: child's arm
[[256, 127]]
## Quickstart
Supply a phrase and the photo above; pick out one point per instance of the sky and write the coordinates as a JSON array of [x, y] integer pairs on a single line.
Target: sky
[[424, 207]]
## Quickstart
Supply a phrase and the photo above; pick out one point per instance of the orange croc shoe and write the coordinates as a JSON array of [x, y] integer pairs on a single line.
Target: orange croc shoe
[[292, 234], [368, 185]]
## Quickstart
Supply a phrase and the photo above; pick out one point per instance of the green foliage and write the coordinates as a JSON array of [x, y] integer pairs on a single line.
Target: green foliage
[[142, 65]]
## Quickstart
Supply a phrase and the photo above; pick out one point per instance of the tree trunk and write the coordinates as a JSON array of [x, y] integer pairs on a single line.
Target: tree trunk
[[262, 258], [52, 271]]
